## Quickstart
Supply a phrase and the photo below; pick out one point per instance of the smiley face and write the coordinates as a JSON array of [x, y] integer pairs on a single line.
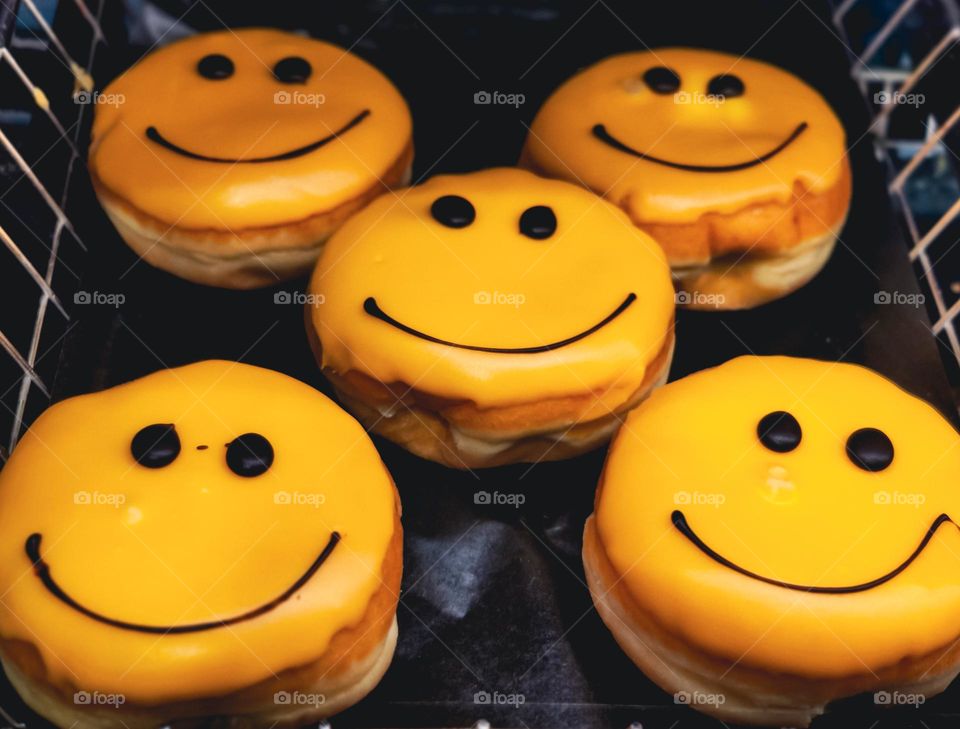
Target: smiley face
[[675, 133], [187, 523], [246, 128], [790, 515], [495, 287]]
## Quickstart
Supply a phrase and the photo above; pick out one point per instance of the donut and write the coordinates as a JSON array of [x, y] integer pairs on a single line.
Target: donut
[[492, 317], [228, 158], [171, 552], [775, 534], [736, 167]]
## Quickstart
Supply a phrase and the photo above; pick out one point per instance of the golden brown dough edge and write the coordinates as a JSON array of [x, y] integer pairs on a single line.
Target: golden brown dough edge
[[750, 695], [754, 255], [348, 670], [241, 258], [456, 432], [762, 228], [746, 281]]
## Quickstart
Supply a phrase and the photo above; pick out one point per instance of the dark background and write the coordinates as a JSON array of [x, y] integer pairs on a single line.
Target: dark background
[[493, 597]]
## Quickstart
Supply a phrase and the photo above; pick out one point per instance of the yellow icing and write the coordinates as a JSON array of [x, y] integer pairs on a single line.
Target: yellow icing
[[40, 98], [190, 542], [435, 279], [83, 80], [702, 131], [806, 517], [240, 117]]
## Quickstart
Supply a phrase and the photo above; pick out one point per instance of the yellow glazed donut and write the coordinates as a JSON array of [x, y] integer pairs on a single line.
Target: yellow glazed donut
[[170, 551], [228, 158], [736, 167], [776, 533], [492, 317]]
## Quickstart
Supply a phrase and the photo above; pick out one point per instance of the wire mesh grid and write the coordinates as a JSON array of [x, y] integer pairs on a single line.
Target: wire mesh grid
[[48, 91], [903, 55]]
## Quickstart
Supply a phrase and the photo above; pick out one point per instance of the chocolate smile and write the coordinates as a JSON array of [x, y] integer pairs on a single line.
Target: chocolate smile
[[42, 570], [370, 306], [680, 522], [601, 133], [154, 136]]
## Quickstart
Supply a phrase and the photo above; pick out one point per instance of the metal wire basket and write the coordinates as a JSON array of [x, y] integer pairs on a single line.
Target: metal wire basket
[[47, 95]]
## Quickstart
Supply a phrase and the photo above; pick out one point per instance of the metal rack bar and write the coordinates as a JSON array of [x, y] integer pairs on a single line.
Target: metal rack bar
[[866, 70], [55, 200]]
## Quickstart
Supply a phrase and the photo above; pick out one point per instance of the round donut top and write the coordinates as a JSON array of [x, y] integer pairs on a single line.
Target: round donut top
[[674, 133], [497, 287], [246, 128], [788, 514], [171, 538]]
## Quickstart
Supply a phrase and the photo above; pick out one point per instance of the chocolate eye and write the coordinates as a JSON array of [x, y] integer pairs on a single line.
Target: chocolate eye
[[215, 67], [870, 449], [779, 431], [249, 455], [292, 70], [155, 446], [662, 80], [538, 222], [453, 211], [725, 85]]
